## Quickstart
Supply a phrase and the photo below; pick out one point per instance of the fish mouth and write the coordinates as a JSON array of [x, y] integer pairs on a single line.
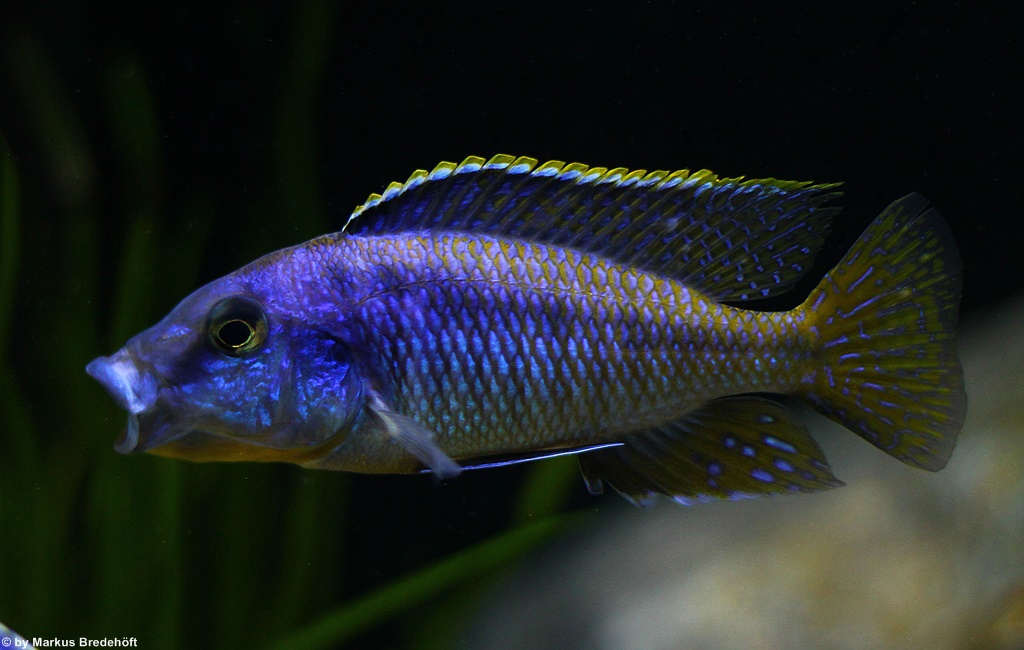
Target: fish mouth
[[132, 390]]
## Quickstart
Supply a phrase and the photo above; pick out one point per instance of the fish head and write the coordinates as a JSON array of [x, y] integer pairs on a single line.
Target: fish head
[[234, 373]]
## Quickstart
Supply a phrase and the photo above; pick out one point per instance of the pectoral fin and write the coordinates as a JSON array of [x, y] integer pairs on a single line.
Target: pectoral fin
[[728, 449], [415, 439]]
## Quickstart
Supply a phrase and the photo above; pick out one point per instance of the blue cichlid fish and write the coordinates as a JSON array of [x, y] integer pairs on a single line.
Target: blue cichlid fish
[[499, 310]]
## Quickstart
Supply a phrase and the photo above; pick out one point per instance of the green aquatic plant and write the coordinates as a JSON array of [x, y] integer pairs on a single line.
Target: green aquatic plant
[[100, 545], [414, 590]]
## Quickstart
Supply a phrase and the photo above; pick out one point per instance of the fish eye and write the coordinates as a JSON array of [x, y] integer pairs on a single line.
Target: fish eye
[[236, 325]]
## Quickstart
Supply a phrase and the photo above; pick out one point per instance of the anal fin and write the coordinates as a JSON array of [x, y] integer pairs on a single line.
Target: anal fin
[[732, 448]]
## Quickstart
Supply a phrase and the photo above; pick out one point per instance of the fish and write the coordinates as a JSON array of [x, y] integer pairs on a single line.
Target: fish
[[503, 310]]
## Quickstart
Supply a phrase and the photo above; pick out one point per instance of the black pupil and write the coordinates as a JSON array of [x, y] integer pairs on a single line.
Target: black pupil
[[235, 333]]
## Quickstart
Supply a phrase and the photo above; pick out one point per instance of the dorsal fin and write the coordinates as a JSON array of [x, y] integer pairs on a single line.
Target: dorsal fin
[[729, 238]]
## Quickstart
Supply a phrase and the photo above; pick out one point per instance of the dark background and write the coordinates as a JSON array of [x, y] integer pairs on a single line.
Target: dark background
[[160, 145], [888, 97]]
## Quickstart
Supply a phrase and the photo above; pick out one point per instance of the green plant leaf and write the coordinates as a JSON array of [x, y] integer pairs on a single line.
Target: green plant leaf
[[367, 611]]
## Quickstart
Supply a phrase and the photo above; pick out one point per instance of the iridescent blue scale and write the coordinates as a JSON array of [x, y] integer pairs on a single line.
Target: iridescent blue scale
[[498, 310], [581, 362]]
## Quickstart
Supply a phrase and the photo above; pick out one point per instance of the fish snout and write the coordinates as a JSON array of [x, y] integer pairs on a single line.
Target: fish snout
[[134, 391]]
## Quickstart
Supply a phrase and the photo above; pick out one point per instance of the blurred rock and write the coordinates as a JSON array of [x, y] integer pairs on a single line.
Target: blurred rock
[[897, 559]]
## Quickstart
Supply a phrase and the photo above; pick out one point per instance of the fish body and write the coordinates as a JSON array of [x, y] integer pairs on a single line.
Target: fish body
[[500, 310], [505, 347]]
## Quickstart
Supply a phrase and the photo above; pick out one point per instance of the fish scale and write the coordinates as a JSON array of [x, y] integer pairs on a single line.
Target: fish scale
[[500, 310], [636, 343]]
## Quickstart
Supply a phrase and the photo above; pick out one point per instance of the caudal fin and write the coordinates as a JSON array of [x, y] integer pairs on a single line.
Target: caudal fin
[[884, 321]]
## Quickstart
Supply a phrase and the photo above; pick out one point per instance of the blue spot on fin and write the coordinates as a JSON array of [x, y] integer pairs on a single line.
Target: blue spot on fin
[[690, 461], [894, 296]]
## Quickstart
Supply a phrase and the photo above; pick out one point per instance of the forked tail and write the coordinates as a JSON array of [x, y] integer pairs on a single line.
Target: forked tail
[[883, 323]]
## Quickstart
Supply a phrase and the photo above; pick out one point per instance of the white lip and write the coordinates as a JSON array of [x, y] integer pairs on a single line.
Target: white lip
[[133, 391]]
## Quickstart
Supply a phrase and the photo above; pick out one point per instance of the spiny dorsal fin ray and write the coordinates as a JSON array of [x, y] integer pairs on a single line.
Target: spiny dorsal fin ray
[[729, 238]]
